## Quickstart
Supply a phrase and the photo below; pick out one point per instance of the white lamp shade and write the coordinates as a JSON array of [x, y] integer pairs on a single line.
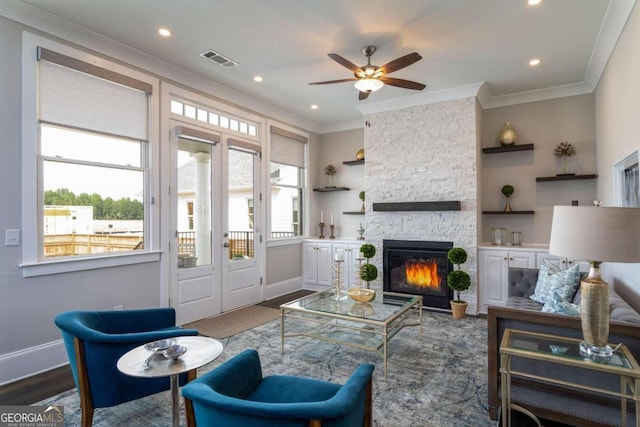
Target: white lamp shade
[[593, 233], [368, 84]]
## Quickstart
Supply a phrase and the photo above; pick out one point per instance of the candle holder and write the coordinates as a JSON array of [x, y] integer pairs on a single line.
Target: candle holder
[[360, 231], [331, 227], [321, 236], [337, 268]]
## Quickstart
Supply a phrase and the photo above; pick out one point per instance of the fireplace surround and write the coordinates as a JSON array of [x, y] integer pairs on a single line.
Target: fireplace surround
[[420, 268]]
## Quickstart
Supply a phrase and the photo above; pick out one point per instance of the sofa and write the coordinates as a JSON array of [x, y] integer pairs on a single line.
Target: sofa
[[555, 402]]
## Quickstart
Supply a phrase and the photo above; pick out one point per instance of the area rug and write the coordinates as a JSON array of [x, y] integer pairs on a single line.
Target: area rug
[[233, 323], [437, 380]]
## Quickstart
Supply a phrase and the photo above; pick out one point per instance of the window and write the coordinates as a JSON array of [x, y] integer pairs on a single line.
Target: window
[[287, 172], [91, 196]]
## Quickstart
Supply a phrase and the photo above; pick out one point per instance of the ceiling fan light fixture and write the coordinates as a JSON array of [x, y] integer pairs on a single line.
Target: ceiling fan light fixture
[[368, 84]]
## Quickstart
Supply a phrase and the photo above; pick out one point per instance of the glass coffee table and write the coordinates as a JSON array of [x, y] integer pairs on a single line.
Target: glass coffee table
[[339, 319]]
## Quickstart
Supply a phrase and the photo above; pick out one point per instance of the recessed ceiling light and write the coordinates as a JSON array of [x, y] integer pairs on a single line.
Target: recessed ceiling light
[[314, 107], [164, 32], [534, 2], [534, 62], [257, 79]]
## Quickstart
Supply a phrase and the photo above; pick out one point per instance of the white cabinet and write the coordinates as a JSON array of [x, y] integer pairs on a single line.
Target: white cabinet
[[349, 252], [316, 265], [494, 273], [560, 262]]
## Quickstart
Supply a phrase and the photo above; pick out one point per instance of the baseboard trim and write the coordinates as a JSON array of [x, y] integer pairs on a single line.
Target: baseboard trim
[[32, 361], [278, 289]]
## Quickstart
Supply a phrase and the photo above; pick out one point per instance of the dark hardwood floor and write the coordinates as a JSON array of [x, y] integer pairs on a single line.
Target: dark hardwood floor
[[33, 389]]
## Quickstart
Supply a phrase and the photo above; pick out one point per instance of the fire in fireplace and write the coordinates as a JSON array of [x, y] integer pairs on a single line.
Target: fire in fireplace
[[419, 268]]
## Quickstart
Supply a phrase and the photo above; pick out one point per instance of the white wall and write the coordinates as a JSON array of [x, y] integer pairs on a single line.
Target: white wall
[[617, 110]]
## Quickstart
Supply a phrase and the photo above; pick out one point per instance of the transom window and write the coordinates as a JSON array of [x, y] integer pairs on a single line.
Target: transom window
[[215, 118]]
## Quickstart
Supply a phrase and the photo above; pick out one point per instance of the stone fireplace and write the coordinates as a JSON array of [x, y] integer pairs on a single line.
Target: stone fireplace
[[425, 153], [419, 268]]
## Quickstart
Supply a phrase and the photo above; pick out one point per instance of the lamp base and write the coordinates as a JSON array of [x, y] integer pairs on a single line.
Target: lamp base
[[595, 353]]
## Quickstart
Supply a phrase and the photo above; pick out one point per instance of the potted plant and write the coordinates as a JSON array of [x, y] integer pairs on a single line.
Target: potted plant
[[563, 151], [507, 190], [458, 280], [330, 170], [368, 271]]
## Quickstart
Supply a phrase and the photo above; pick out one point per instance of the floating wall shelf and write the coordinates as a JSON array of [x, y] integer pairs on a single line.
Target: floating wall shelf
[[508, 212], [565, 177], [328, 189], [417, 206], [507, 148], [353, 162], [353, 213]]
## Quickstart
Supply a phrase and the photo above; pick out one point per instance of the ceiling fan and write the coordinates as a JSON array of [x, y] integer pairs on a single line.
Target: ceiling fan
[[369, 78]]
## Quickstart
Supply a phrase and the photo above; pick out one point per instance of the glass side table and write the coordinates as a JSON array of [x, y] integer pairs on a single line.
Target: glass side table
[[566, 352]]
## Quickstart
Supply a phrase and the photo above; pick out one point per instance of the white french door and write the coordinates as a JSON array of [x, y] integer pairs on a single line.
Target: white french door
[[195, 284], [242, 248]]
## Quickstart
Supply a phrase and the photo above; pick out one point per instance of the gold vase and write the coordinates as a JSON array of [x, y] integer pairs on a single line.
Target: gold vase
[[508, 135]]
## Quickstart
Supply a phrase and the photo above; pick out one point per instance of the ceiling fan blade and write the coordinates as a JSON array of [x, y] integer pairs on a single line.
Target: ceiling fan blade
[[335, 81], [406, 84], [363, 95], [346, 63], [400, 63]]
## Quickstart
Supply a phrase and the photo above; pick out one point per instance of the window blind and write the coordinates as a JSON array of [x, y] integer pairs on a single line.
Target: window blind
[[287, 148], [79, 95]]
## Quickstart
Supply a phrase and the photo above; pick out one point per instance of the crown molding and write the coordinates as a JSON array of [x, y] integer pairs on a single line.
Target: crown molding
[[615, 20], [422, 99], [572, 89]]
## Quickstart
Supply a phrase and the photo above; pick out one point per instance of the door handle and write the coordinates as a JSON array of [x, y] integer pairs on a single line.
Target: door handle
[[225, 244]]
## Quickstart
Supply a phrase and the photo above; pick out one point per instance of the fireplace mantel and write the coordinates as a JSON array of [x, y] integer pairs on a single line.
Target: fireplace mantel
[[452, 205]]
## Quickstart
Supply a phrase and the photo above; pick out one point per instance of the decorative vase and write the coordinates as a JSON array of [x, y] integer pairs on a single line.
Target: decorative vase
[[458, 309], [508, 135], [507, 206], [360, 154]]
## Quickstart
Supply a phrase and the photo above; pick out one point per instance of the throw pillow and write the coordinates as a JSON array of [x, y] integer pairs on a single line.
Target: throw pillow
[[560, 306], [564, 282]]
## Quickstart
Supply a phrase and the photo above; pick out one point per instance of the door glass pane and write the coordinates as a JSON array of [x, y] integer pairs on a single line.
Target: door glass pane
[[194, 203], [241, 201]]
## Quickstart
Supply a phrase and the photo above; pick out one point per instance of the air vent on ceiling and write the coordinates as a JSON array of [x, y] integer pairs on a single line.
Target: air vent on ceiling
[[218, 58]]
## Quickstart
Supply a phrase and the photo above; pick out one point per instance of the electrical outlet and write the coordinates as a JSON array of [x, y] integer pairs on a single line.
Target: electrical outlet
[[12, 237]]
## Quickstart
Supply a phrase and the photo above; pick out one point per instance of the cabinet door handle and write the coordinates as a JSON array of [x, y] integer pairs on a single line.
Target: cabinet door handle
[[564, 262], [510, 259], [505, 258], [570, 262]]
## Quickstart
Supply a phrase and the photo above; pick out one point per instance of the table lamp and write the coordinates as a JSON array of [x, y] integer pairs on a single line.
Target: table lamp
[[595, 234]]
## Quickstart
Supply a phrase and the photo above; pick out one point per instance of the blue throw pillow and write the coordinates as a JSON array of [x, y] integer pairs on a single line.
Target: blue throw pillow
[[564, 282], [560, 306]]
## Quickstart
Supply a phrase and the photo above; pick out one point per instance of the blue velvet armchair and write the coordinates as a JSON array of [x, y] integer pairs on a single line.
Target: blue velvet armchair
[[236, 394], [95, 340]]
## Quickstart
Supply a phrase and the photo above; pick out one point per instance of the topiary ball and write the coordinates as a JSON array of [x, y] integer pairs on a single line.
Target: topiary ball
[[457, 256], [368, 250], [507, 190], [459, 280], [368, 272]]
